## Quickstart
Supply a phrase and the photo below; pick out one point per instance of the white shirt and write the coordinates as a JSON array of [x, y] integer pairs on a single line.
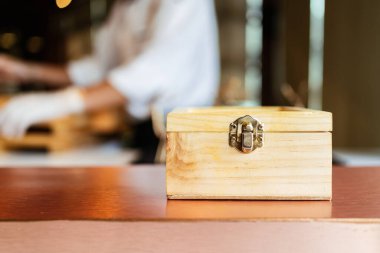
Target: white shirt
[[178, 66]]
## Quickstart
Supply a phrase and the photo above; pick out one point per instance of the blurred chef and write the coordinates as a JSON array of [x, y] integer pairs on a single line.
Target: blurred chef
[[149, 53]]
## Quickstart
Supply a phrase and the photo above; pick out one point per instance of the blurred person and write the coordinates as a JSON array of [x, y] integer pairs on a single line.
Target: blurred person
[[149, 54]]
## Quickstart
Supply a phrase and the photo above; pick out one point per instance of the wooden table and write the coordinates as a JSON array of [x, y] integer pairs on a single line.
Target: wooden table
[[114, 209]]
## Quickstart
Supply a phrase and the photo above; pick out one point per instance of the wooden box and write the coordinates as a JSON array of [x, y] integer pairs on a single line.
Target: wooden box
[[281, 153]]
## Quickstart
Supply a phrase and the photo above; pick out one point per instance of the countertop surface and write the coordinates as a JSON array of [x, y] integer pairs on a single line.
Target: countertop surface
[[137, 193]]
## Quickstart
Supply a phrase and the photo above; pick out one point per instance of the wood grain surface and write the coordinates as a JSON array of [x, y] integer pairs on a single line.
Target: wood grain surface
[[137, 193], [289, 166], [275, 119], [56, 135]]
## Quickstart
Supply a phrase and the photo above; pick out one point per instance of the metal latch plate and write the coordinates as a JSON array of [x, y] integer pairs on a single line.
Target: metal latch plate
[[246, 134]]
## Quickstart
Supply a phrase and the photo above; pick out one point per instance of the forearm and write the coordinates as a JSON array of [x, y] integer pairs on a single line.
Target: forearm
[[53, 75], [100, 96], [23, 111]]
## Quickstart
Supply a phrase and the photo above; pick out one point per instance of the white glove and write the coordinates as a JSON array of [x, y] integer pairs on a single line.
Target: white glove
[[25, 110]]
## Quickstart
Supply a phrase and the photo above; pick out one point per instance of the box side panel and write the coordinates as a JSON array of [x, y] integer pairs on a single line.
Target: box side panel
[[288, 166]]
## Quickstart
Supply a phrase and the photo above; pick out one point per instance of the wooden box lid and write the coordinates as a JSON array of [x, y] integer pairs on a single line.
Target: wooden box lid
[[275, 119]]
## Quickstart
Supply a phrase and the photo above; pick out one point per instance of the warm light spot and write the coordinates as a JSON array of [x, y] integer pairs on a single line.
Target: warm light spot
[[62, 3], [7, 40], [34, 44]]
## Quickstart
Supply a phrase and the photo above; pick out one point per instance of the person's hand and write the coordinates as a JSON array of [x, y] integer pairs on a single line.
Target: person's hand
[[13, 70], [25, 110]]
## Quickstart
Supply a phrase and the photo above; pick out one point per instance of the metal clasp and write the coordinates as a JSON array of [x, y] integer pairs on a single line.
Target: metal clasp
[[246, 134]]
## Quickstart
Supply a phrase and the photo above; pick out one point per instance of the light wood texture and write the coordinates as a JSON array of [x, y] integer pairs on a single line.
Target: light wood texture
[[107, 121], [294, 162], [289, 166], [56, 135], [275, 119], [137, 193]]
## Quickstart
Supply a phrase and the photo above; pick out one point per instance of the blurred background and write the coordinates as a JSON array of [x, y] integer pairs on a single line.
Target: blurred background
[[313, 53]]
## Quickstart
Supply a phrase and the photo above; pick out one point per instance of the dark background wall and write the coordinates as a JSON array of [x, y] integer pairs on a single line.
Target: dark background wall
[[54, 27], [352, 71], [285, 48]]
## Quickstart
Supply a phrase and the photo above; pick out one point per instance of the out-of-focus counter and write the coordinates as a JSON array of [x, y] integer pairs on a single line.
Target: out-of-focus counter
[[105, 154]]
